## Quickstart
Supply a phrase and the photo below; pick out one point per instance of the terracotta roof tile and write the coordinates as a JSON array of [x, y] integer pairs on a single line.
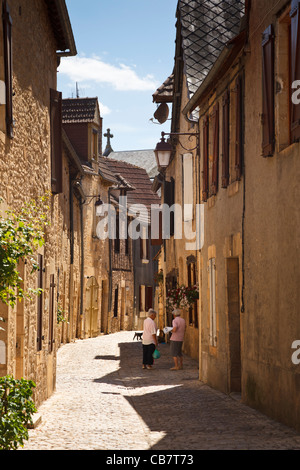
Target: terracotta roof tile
[[138, 179]]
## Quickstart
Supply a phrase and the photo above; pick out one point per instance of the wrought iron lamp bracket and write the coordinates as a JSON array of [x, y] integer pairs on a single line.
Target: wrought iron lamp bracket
[[191, 135]]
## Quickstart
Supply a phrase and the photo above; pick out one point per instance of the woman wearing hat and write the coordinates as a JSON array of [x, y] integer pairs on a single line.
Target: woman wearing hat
[[176, 340]]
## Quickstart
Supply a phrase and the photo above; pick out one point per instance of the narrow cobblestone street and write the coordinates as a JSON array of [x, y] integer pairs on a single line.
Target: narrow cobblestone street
[[105, 401]]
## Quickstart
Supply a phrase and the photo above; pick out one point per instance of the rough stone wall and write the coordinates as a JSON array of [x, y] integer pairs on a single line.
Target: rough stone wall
[[25, 170]]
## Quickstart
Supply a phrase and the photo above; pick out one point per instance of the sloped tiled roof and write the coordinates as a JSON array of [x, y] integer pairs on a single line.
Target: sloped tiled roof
[[106, 172], [140, 158], [139, 181], [207, 26], [79, 110]]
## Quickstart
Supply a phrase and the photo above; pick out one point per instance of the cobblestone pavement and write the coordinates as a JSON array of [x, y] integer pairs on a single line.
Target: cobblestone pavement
[[105, 401]]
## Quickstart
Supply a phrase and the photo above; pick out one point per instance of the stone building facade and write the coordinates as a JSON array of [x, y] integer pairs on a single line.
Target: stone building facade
[[247, 114], [28, 147]]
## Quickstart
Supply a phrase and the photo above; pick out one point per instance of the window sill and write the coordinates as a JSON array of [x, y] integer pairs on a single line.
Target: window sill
[[233, 188], [286, 150]]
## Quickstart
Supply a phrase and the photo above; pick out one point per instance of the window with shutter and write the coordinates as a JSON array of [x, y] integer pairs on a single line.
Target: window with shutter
[[268, 114], [56, 140], [7, 35], [215, 168], [205, 158], [225, 139], [295, 67], [239, 128]]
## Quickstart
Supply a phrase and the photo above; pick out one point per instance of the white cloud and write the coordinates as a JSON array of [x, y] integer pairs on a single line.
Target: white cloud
[[104, 110], [122, 78]]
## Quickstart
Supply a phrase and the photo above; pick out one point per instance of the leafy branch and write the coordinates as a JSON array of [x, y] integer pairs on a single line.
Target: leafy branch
[[21, 234], [16, 410]]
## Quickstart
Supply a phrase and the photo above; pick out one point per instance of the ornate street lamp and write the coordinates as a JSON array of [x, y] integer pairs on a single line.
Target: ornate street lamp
[[163, 150]]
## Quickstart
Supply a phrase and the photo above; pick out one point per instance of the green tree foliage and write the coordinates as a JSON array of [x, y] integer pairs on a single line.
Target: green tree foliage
[[16, 410]]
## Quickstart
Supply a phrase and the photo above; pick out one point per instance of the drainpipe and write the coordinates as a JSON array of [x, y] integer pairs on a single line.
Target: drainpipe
[[110, 262], [81, 198]]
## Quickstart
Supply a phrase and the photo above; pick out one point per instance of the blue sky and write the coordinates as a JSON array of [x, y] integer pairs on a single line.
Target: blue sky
[[125, 52]]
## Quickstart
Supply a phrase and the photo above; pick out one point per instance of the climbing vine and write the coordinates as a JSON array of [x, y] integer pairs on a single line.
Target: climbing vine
[[21, 234]]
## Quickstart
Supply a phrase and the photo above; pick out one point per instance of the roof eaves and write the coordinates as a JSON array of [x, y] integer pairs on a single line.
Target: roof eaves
[[62, 28]]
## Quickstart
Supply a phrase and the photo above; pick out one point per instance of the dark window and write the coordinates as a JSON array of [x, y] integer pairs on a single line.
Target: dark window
[[56, 140], [7, 36], [226, 139], [268, 115], [116, 302]]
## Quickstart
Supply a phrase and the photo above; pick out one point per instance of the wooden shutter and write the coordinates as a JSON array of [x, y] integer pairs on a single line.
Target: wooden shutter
[[215, 169], [7, 36], [140, 299], [117, 239], [172, 221], [268, 117], [239, 128], [157, 241], [169, 199], [225, 139], [51, 312], [295, 66], [56, 140], [149, 298], [40, 305], [205, 158]]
